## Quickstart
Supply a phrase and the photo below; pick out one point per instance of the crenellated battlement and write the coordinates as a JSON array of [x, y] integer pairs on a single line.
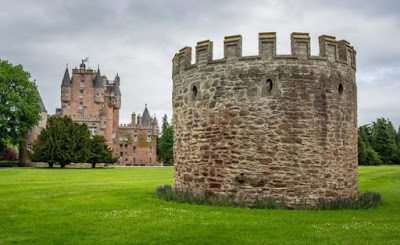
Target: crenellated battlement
[[268, 125], [330, 50]]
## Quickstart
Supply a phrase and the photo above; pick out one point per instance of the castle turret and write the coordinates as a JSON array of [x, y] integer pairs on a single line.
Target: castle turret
[[102, 119], [146, 119], [66, 87], [117, 93], [98, 88], [268, 125]]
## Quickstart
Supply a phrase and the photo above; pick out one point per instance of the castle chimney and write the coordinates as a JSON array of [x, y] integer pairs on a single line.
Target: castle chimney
[[139, 119], [133, 119]]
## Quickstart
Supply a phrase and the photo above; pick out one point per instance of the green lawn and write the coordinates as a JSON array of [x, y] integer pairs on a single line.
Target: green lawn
[[117, 206]]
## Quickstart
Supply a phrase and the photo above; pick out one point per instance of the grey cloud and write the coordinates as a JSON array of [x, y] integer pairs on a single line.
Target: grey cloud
[[138, 39]]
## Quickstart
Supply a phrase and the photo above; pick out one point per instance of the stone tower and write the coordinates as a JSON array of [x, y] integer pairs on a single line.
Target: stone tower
[[88, 97], [267, 125]]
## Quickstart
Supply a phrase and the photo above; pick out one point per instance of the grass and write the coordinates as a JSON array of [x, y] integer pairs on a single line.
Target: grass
[[117, 206]]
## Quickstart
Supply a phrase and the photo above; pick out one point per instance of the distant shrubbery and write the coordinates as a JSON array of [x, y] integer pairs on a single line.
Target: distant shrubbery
[[8, 164], [378, 143], [365, 200], [9, 155]]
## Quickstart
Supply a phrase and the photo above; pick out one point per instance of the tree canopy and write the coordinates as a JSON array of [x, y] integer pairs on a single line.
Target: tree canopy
[[62, 141], [166, 144], [165, 123], [99, 151], [378, 143], [19, 103]]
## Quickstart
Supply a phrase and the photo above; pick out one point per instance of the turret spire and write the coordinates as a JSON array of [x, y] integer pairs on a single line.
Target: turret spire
[[98, 82], [66, 79]]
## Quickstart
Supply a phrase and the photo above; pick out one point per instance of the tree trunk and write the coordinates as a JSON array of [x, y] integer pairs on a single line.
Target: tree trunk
[[62, 165], [51, 165], [93, 165]]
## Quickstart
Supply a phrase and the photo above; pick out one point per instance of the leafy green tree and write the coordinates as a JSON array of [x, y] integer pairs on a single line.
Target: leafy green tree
[[365, 134], [166, 153], [165, 123], [62, 141], [99, 151], [372, 158], [362, 151], [398, 137], [383, 140], [19, 107]]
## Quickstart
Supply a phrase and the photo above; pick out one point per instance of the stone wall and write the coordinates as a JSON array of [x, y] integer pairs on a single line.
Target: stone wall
[[267, 125]]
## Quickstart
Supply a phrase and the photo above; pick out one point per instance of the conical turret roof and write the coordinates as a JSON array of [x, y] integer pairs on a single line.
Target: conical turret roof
[[116, 89], [66, 79], [146, 117], [98, 81]]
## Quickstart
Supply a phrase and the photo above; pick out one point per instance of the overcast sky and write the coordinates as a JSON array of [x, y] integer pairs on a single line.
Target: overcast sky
[[138, 39]]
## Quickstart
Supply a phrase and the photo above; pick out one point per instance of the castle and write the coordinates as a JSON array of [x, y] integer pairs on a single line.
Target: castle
[[89, 97], [267, 125]]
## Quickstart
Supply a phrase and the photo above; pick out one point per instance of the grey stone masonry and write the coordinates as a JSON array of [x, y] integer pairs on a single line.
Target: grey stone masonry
[[267, 125]]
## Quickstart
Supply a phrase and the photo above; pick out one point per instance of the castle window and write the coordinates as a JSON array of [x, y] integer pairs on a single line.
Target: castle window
[[68, 105], [150, 160], [82, 84], [269, 85], [134, 150], [80, 105], [121, 154], [80, 93], [340, 88], [114, 135], [125, 138], [29, 147], [93, 131], [194, 92], [148, 138], [97, 94], [134, 160], [135, 138], [150, 150]]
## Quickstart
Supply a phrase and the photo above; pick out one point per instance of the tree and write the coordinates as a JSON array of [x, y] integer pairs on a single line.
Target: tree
[[365, 134], [383, 140], [99, 151], [372, 158], [166, 153], [362, 151], [165, 123], [62, 141], [19, 107]]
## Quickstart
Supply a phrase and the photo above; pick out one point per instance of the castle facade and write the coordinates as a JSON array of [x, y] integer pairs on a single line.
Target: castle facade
[[89, 97]]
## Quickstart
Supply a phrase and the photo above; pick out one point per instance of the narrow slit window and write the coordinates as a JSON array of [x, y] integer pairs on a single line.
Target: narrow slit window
[[340, 88]]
